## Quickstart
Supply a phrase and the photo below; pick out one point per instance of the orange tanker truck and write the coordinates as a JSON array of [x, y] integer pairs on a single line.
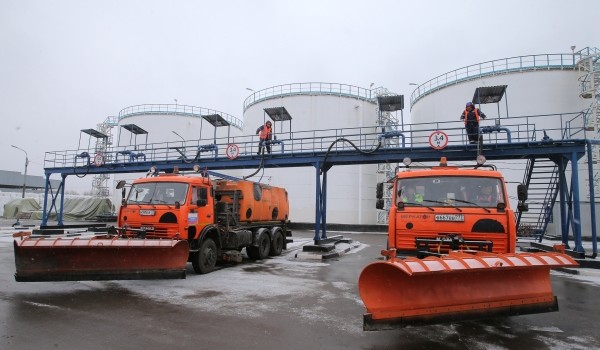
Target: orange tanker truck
[[451, 252], [164, 222]]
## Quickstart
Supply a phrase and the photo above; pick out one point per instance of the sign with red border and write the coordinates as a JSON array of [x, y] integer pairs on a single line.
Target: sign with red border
[[232, 151], [438, 140], [99, 159]]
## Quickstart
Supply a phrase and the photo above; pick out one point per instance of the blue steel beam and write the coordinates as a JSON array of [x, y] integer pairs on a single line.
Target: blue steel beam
[[347, 157], [571, 149]]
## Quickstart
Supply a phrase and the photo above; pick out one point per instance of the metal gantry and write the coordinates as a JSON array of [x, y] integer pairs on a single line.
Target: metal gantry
[[323, 149]]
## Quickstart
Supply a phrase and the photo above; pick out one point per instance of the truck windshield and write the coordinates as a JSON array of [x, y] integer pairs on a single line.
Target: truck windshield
[[158, 193], [458, 191]]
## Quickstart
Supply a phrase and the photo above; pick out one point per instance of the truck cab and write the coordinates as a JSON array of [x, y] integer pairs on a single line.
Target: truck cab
[[442, 208], [169, 206]]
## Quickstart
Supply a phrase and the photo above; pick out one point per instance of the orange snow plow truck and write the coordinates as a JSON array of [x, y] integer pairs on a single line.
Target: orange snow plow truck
[[163, 223], [451, 253]]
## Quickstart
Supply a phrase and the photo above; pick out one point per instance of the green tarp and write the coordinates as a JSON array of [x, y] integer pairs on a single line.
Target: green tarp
[[20, 205], [76, 209]]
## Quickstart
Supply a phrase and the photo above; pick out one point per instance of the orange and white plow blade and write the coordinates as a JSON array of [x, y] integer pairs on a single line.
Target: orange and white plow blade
[[80, 259], [460, 286]]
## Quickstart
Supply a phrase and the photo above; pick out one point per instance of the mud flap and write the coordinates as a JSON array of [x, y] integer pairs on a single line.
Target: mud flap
[[94, 259], [457, 287]]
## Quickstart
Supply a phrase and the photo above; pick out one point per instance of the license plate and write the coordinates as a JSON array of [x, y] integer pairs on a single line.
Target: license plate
[[147, 212], [450, 217], [147, 228]]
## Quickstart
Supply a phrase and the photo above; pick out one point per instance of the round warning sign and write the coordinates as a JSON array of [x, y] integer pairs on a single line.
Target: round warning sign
[[99, 159], [232, 151], [438, 140]]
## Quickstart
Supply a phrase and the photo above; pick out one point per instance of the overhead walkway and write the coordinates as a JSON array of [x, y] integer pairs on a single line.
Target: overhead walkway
[[504, 139]]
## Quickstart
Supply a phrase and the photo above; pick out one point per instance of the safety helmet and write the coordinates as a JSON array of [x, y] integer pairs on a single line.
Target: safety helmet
[[469, 104]]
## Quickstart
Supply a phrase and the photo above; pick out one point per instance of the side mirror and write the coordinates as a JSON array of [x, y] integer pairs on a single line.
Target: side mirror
[[121, 184], [522, 207], [202, 197], [123, 193], [522, 192], [379, 191], [379, 203]]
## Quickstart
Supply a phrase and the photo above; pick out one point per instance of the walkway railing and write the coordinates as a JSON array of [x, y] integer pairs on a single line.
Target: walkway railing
[[500, 66], [310, 88], [525, 129], [176, 109]]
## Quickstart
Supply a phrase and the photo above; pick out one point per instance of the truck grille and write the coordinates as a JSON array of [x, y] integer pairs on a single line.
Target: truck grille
[[159, 230]]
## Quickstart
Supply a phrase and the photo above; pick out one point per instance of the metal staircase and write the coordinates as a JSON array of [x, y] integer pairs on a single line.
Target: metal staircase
[[100, 186], [589, 79], [387, 121], [542, 181]]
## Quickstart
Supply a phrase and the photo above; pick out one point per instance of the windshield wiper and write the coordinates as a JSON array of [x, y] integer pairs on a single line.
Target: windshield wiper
[[419, 204], [446, 204], [474, 204]]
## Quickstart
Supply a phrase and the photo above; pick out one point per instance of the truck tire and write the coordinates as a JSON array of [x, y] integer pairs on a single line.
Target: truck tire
[[276, 244], [205, 260], [263, 249]]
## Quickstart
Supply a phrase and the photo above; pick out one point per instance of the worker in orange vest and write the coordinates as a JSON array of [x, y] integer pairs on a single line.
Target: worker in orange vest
[[486, 196], [471, 116], [264, 133]]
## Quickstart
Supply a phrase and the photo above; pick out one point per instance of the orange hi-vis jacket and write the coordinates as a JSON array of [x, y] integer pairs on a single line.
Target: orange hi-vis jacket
[[466, 115], [265, 133]]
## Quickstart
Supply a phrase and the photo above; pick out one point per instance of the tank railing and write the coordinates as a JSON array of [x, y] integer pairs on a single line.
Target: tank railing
[[177, 109], [320, 88], [309, 142], [500, 66]]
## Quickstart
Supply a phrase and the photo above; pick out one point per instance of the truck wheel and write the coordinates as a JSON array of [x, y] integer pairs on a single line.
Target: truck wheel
[[263, 249], [206, 258], [276, 244]]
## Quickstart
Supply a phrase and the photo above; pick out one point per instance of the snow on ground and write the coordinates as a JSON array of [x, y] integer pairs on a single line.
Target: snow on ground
[[279, 280]]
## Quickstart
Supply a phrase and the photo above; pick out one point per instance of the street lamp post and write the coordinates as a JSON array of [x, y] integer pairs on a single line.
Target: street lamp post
[[418, 88], [26, 164], [181, 137]]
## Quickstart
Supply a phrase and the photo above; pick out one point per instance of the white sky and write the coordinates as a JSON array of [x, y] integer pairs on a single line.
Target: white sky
[[67, 65]]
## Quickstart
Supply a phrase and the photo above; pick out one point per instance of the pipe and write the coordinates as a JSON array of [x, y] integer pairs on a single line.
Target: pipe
[[496, 128], [275, 142], [390, 134]]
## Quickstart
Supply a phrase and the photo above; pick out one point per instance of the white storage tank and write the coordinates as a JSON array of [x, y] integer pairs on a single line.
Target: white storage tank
[[315, 107], [171, 125], [544, 92]]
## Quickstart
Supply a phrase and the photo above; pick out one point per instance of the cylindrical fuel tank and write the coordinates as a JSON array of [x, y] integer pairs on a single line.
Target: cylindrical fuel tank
[[253, 202]]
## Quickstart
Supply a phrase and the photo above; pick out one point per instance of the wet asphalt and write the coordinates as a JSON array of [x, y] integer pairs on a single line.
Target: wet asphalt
[[257, 305]]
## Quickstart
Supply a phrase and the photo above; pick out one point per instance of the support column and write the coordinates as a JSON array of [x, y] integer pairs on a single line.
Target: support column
[[62, 200], [44, 213], [324, 206], [317, 202], [576, 204], [564, 220], [320, 203], [592, 198]]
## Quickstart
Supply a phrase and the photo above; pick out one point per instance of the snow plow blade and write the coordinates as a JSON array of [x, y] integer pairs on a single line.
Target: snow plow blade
[[460, 286], [97, 259]]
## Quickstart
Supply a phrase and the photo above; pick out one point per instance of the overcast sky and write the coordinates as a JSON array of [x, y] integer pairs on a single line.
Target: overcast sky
[[67, 65]]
